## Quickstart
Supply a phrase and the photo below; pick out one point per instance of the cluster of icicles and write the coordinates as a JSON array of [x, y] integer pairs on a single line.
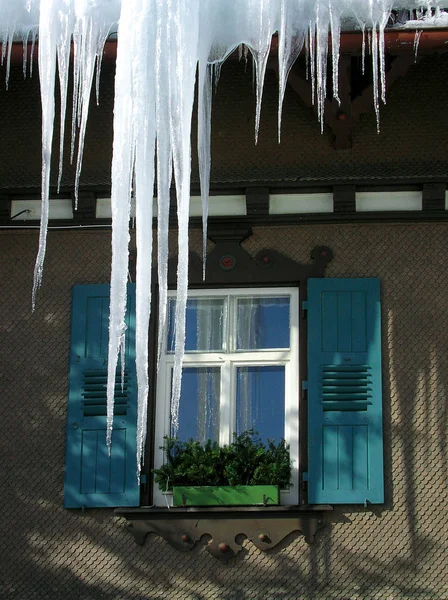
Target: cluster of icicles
[[165, 49]]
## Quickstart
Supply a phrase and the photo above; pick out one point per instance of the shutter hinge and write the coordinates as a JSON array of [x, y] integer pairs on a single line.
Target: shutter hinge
[[304, 481], [304, 309], [304, 390]]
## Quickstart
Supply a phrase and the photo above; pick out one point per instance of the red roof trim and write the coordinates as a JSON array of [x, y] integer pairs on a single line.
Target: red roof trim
[[397, 42]]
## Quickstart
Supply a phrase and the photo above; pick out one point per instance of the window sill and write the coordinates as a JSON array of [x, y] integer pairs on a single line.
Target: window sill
[[265, 526]]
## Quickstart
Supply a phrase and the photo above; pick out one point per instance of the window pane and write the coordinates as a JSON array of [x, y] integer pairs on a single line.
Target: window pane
[[260, 401], [199, 404], [204, 326], [262, 323]]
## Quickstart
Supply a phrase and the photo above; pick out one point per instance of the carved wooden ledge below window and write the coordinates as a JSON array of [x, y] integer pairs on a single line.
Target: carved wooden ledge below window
[[184, 527]]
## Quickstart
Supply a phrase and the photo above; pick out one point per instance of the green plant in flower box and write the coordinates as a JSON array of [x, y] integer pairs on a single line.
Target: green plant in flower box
[[247, 461]]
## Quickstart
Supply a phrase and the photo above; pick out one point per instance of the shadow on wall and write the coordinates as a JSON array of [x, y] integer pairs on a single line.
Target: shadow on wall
[[396, 551]]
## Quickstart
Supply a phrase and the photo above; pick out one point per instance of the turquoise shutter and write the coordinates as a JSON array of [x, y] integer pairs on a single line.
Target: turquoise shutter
[[92, 477], [345, 440]]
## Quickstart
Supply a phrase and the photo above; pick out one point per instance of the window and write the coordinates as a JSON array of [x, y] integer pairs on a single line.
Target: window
[[240, 370], [241, 345]]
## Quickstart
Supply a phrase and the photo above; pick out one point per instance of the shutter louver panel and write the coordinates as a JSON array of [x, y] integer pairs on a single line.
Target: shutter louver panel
[[346, 387], [93, 478], [95, 397], [345, 444]]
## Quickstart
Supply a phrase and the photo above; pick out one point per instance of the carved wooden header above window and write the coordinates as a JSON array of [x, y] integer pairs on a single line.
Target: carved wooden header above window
[[230, 264]]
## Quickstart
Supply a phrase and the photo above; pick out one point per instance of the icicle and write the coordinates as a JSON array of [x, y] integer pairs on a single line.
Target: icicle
[[164, 160], [8, 56], [144, 127], [335, 26], [417, 37], [322, 25], [205, 84], [363, 54], [182, 80], [312, 43], [245, 53], [122, 163], [374, 52], [307, 55], [25, 53], [382, 61], [290, 44], [93, 34], [47, 71], [260, 52], [33, 45], [216, 73], [382, 26], [63, 54], [75, 99]]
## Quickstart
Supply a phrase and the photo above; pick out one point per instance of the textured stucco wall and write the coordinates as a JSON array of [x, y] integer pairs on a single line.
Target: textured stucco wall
[[396, 551]]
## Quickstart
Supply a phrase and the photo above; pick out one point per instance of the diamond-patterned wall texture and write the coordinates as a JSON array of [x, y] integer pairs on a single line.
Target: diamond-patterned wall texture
[[391, 552]]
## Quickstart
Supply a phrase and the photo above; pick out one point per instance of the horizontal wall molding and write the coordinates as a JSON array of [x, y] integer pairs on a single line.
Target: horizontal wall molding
[[252, 205]]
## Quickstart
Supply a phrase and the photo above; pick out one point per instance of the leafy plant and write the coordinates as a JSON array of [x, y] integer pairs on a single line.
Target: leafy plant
[[246, 461]]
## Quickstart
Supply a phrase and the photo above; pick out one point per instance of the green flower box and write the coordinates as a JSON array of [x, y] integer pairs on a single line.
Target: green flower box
[[238, 495]]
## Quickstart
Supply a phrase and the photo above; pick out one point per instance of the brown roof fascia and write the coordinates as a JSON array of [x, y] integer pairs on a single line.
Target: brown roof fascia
[[397, 42]]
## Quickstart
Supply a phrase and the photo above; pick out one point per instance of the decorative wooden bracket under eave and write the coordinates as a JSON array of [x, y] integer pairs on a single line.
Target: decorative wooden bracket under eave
[[183, 528], [342, 117]]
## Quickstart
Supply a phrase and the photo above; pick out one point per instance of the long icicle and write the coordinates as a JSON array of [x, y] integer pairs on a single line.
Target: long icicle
[[47, 72], [182, 81], [144, 131], [164, 160], [63, 53], [205, 85], [122, 163]]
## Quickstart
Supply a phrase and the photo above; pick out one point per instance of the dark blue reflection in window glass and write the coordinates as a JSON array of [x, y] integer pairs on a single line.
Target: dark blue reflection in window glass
[[199, 404], [263, 323], [260, 401], [204, 324]]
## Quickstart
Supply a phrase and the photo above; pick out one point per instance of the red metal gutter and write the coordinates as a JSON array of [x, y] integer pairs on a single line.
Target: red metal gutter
[[397, 42]]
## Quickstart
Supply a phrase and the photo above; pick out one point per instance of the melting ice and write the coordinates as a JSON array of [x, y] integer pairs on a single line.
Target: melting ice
[[162, 44]]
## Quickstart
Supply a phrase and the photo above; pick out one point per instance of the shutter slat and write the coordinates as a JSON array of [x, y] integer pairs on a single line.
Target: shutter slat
[[344, 368], [341, 405]]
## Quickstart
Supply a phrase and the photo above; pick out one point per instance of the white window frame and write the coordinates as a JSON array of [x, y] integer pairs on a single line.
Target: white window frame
[[228, 362]]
